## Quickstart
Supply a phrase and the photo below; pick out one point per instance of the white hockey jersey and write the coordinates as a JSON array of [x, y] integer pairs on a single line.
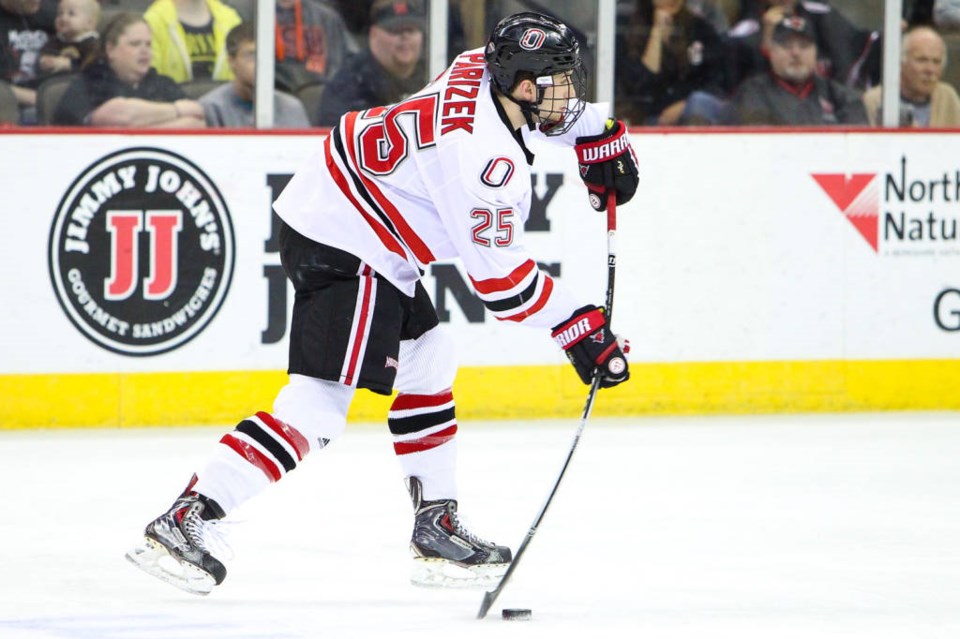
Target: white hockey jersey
[[437, 176]]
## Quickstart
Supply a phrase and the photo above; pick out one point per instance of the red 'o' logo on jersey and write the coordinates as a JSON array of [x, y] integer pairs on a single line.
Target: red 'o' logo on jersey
[[532, 39], [498, 172]]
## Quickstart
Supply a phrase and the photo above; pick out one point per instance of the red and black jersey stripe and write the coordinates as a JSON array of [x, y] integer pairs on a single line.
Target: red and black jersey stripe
[[378, 200], [367, 208], [387, 221], [386, 234], [518, 295]]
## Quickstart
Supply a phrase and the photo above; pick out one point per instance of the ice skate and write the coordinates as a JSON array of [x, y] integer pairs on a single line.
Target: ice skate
[[174, 548], [445, 553]]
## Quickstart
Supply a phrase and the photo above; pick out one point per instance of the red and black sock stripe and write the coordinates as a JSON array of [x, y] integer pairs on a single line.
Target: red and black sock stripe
[[422, 422], [268, 443]]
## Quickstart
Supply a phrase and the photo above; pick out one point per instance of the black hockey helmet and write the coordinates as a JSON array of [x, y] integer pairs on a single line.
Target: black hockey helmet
[[541, 46]]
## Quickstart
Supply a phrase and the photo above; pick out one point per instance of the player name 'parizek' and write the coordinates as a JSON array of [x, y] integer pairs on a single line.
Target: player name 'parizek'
[[464, 82]]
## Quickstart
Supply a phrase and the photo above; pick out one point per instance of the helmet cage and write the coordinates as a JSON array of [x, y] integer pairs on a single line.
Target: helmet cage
[[558, 121]]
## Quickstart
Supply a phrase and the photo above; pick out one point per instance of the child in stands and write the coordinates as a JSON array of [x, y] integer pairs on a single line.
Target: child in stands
[[76, 42]]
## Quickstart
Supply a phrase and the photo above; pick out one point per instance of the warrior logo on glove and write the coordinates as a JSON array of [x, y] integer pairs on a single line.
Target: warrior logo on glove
[[607, 162], [603, 150]]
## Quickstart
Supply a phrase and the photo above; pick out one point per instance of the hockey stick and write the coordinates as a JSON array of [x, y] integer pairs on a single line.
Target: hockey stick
[[491, 596]]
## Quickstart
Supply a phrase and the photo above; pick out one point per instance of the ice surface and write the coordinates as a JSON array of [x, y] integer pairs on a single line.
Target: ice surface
[[749, 527]]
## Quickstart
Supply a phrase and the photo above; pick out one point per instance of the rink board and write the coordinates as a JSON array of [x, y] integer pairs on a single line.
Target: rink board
[[761, 271]]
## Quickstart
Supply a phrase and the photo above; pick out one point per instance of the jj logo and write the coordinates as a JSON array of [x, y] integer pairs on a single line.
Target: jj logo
[[125, 226]]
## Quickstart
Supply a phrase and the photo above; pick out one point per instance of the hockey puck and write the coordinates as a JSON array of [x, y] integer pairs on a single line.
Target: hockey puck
[[517, 614]]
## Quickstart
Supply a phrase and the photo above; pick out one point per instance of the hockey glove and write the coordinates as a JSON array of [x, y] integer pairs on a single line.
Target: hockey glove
[[607, 162], [589, 344]]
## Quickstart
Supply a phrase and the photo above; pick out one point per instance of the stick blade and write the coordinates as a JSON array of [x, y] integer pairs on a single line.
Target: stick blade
[[488, 599]]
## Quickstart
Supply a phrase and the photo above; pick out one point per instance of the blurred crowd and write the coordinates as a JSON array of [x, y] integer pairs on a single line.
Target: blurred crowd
[[191, 63], [779, 62]]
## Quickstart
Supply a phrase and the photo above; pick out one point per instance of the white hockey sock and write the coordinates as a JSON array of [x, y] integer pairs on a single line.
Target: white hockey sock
[[424, 429], [307, 415], [260, 450]]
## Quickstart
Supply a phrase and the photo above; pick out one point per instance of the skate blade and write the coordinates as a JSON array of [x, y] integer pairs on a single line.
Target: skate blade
[[154, 559], [441, 573]]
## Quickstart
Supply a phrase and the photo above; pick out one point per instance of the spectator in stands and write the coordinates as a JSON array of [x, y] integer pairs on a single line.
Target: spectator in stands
[[670, 66], [312, 43], [121, 89], [925, 101], [845, 52], [231, 105], [792, 93], [391, 69], [25, 27], [189, 38], [76, 43]]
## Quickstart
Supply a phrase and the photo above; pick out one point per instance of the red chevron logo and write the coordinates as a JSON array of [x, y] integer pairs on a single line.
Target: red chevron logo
[[856, 199]]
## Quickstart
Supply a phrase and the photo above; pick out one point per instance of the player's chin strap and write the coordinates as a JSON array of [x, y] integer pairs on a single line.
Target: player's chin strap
[[529, 109]]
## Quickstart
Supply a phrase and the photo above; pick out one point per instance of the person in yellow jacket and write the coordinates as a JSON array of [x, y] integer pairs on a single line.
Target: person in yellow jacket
[[189, 38]]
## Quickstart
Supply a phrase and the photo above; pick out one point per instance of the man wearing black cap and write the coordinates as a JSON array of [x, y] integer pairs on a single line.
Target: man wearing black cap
[[791, 93], [391, 69], [846, 52]]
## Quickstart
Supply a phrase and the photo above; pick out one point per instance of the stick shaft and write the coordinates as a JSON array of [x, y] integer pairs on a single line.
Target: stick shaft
[[611, 251], [491, 596]]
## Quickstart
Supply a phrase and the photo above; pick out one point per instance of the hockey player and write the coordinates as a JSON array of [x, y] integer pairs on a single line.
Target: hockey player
[[439, 175]]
